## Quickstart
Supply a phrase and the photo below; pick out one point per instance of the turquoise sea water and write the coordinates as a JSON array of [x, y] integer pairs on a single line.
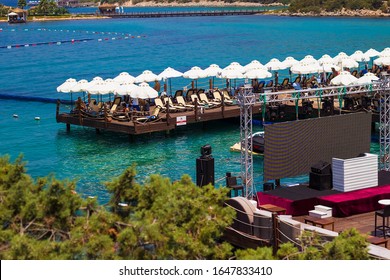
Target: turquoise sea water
[[158, 43]]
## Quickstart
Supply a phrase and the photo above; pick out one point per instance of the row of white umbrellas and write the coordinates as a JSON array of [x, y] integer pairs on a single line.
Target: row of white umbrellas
[[124, 82], [100, 86]]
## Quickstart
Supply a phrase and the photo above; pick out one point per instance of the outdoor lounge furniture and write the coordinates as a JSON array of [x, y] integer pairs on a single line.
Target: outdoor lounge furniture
[[205, 100], [171, 105], [218, 98], [163, 107], [383, 213], [231, 183], [152, 118], [180, 100]]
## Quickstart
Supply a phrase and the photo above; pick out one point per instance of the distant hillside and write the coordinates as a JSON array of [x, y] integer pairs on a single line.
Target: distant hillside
[[318, 6], [267, 2]]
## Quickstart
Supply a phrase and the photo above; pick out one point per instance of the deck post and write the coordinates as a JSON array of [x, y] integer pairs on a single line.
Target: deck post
[[105, 115], [58, 108], [275, 227], [168, 115], [68, 127], [196, 111], [223, 106]]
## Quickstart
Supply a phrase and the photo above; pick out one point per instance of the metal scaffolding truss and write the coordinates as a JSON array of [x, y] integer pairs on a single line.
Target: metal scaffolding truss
[[384, 125], [246, 99]]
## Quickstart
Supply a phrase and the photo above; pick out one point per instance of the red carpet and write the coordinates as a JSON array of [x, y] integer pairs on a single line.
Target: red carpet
[[356, 202]]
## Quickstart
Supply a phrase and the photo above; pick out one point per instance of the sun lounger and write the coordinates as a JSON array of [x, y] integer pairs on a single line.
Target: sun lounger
[[152, 118], [218, 98], [162, 106], [205, 100], [180, 100], [171, 105]]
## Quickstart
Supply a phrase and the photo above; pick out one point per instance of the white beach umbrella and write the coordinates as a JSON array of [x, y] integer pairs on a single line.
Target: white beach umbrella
[[359, 56], [371, 52], [383, 60], [167, 74], [275, 64], [195, 73], [100, 87], [231, 72], [257, 74], [80, 86], [254, 64], [366, 79], [144, 91], [339, 57], [124, 77], [146, 76], [348, 63], [304, 68], [289, 61], [344, 78], [327, 67], [125, 88], [326, 58], [236, 66], [309, 59], [213, 70], [385, 52], [67, 86]]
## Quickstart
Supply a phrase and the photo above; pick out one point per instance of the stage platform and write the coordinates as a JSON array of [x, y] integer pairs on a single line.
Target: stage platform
[[298, 200]]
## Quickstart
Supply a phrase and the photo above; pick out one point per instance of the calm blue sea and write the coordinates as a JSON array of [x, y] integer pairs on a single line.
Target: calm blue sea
[[158, 43]]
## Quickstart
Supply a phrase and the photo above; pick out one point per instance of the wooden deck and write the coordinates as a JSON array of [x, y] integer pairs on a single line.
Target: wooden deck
[[186, 14], [167, 122]]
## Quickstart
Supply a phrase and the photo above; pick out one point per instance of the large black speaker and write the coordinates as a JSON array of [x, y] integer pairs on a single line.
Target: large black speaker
[[204, 170], [321, 168], [320, 182], [268, 186]]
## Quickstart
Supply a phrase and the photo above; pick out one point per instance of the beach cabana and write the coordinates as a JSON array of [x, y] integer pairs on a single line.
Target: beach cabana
[[107, 8], [17, 16]]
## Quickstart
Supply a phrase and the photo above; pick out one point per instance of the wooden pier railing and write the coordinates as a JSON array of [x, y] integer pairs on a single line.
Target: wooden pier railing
[[184, 14]]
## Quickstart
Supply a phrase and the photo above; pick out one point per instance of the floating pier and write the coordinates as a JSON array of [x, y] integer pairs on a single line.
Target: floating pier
[[185, 14]]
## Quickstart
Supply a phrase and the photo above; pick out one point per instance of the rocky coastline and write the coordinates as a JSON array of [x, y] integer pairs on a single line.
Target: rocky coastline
[[197, 4], [340, 13]]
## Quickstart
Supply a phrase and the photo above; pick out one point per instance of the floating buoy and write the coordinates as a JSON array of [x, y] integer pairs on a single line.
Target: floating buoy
[[37, 118], [15, 116]]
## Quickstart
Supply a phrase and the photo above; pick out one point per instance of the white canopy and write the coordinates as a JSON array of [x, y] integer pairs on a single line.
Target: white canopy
[[366, 79], [126, 88], [344, 78], [371, 52], [213, 70], [289, 61], [144, 91], [254, 64], [359, 56], [303, 68], [195, 73], [169, 73], [275, 64], [231, 73], [67, 86], [146, 76], [80, 86], [124, 77], [257, 74]]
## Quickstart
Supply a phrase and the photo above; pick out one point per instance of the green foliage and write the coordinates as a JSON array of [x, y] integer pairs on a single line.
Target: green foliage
[[48, 8], [47, 219], [22, 3], [261, 253], [334, 5]]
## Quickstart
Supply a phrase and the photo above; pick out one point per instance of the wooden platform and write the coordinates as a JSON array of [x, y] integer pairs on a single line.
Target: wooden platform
[[169, 121], [186, 14]]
